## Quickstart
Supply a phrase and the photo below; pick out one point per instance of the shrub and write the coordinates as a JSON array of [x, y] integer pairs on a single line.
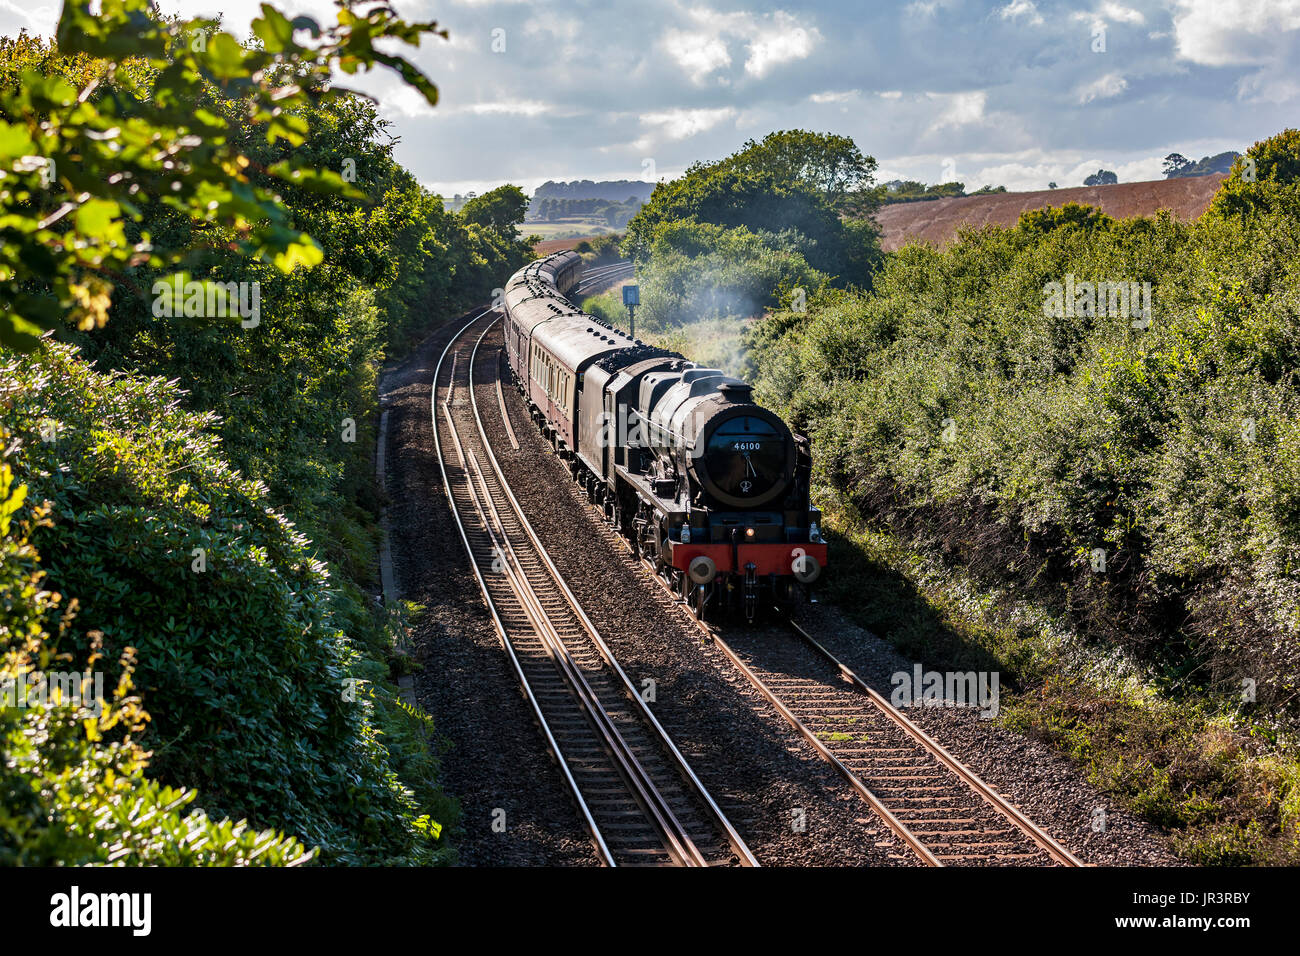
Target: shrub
[[73, 774], [951, 405], [171, 552]]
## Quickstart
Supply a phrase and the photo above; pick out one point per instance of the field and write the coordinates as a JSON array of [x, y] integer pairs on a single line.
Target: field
[[567, 228], [938, 220]]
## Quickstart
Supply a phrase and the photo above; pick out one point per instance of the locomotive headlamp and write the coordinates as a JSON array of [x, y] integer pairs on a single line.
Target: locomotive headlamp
[[749, 532], [686, 534]]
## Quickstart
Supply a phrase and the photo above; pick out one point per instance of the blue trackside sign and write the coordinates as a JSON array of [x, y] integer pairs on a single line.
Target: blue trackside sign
[[631, 295]]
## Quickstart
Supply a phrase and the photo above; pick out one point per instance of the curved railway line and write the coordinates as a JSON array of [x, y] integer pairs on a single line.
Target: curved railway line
[[637, 795], [594, 280]]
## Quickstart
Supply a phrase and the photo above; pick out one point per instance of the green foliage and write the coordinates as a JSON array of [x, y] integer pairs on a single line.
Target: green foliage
[[1102, 177], [172, 553], [1178, 166], [600, 250], [241, 664], [790, 182], [830, 164], [86, 150], [615, 214], [1266, 179], [1070, 215], [697, 271], [910, 190], [950, 406], [746, 233], [73, 774], [500, 210]]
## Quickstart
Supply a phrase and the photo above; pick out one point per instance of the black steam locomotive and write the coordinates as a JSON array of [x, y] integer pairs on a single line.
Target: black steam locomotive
[[711, 488]]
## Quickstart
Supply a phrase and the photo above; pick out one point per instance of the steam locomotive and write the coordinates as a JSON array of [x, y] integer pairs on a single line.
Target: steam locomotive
[[709, 487]]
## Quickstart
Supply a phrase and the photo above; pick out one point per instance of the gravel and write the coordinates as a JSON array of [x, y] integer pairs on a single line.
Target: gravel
[[496, 758]]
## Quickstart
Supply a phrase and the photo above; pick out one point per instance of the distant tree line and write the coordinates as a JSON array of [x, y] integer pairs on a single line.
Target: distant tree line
[[1178, 166], [615, 214], [609, 190], [909, 190]]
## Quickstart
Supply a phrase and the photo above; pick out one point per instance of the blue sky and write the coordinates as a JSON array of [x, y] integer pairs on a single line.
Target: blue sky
[[1014, 93]]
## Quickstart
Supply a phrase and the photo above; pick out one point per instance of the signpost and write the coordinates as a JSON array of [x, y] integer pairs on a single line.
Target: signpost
[[631, 299]]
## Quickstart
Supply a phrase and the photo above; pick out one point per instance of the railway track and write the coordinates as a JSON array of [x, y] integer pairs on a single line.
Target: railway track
[[935, 804], [939, 808], [594, 280], [635, 792]]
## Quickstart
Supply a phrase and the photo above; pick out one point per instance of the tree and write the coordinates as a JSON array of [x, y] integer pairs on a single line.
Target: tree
[[1207, 165], [1175, 163], [1051, 185], [833, 165], [81, 159], [1102, 177], [1266, 179], [500, 210], [1071, 215]]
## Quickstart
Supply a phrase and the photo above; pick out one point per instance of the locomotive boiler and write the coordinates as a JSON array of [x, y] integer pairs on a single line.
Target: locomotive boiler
[[709, 487]]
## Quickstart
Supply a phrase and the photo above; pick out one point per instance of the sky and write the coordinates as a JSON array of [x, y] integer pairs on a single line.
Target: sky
[[1011, 92]]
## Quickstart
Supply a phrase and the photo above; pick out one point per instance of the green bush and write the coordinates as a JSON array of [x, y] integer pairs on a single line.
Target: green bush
[[952, 405], [73, 774], [171, 552], [697, 271]]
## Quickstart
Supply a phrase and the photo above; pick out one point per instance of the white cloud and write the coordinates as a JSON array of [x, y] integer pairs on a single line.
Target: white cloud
[[1106, 12], [400, 100], [565, 28], [510, 108], [1104, 88], [834, 96], [680, 123], [770, 40], [699, 55], [961, 109], [1120, 13], [779, 41], [1265, 86], [1235, 32], [40, 20], [1022, 8]]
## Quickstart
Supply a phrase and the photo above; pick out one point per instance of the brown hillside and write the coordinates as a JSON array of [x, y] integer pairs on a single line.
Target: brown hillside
[[937, 220]]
